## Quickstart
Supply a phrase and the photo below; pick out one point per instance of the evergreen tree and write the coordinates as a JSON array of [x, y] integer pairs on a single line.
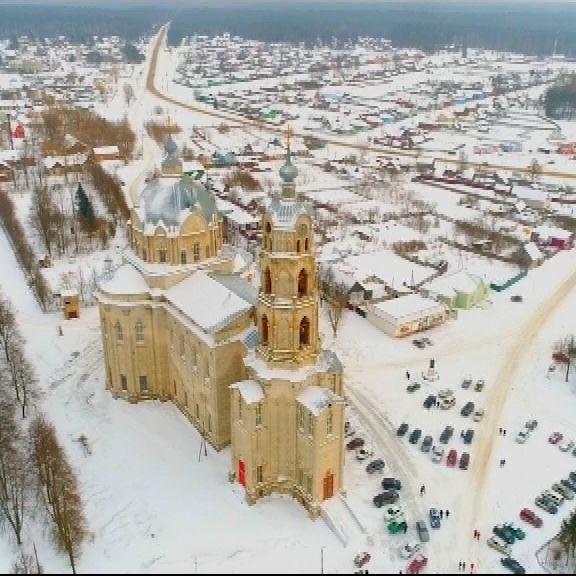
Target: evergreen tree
[[85, 209]]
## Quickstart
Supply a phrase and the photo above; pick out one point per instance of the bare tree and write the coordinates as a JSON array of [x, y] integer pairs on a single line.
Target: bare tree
[[42, 213], [567, 347], [15, 477], [27, 563], [59, 488], [336, 296], [128, 93], [22, 378]]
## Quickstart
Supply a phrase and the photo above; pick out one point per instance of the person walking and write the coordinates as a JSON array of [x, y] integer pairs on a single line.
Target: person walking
[[475, 532], [407, 375], [500, 430], [463, 565], [447, 513], [504, 432], [422, 490], [472, 568], [441, 514]]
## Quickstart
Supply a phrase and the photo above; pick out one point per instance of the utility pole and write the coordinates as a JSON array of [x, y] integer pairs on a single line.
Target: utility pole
[[322, 560]]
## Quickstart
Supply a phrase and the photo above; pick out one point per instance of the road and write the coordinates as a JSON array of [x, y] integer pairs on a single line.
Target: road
[[160, 40]]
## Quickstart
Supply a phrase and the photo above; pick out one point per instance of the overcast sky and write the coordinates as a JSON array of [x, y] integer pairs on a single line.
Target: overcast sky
[[163, 3]]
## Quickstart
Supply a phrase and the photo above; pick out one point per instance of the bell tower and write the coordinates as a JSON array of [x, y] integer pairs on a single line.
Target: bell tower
[[287, 309]]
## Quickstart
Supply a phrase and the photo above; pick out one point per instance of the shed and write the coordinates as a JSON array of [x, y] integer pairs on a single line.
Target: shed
[[70, 304]]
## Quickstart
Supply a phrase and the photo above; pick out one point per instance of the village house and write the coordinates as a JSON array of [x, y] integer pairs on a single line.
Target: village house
[[459, 289], [102, 153]]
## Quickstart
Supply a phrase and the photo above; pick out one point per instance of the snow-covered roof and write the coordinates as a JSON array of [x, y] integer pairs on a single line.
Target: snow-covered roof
[[235, 213], [284, 213], [71, 160], [526, 193], [460, 282], [317, 399], [106, 150], [207, 302], [407, 308], [533, 251], [126, 280], [250, 390], [545, 232], [238, 285]]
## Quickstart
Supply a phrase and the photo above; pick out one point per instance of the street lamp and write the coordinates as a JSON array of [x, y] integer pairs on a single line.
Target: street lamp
[[322, 559]]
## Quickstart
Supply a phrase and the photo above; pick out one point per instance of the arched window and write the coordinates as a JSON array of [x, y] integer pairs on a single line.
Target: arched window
[[306, 245], [267, 281], [298, 246], [144, 254], [304, 332], [139, 332], [264, 330], [268, 228], [119, 333], [270, 244], [302, 283]]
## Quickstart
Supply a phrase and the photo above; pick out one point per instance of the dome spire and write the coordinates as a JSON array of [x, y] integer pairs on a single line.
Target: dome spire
[[288, 172]]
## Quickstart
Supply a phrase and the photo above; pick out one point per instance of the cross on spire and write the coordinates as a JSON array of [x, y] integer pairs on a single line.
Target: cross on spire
[[289, 133], [169, 125]]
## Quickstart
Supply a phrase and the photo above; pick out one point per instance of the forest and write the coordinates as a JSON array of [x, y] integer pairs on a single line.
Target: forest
[[560, 99]]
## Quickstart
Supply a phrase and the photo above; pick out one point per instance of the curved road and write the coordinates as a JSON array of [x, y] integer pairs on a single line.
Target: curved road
[[390, 152]]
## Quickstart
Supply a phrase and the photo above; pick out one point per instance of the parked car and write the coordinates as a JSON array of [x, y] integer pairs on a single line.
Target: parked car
[[389, 497], [516, 298], [464, 461], [572, 476], [391, 484], [467, 409], [422, 530], [418, 343], [555, 437], [499, 545], [426, 444], [434, 518], [445, 393], [522, 436], [452, 458], [413, 387], [519, 534], [560, 357], [363, 453], [479, 386], [467, 382], [397, 527], [531, 425], [375, 466], [427, 341], [554, 497], [478, 414], [415, 436], [566, 445], [531, 517], [446, 435], [393, 514], [468, 436], [430, 401], [361, 558], [569, 484], [513, 565], [348, 430], [409, 549], [402, 429], [437, 454], [417, 564], [355, 443], [563, 491], [447, 403], [546, 505]]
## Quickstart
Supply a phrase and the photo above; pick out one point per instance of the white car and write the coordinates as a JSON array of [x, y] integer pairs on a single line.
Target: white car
[[408, 550], [566, 445], [394, 514], [522, 436], [446, 393], [437, 454], [447, 402], [363, 453], [478, 414]]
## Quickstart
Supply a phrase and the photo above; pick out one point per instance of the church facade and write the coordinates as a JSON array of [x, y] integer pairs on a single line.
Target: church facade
[[245, 366]]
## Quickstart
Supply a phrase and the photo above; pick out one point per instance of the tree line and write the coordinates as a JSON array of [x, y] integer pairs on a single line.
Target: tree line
[[560, 99], [36, 478]]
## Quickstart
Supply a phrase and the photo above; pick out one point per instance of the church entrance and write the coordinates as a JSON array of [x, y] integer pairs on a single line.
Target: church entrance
[[242, 473], [328, 490]]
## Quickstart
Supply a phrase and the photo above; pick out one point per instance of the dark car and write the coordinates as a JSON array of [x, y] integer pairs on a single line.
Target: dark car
[[516, 298], [391, 484], [422, 530], [375, 466], [434, 518], [389, 497], [468, 436], [446, 435], [430, 401], [464, 461], [504, 533], [419, 343], [531, 517], [402, 429], [451, 458], [466, 382], [426, 444], [355, 443], [415, 436], [467, 409], [413, 387], [479, 386], [513, 565]]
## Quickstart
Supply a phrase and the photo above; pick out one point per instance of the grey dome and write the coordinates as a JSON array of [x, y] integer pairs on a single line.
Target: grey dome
[[164, 199], [288, 172]]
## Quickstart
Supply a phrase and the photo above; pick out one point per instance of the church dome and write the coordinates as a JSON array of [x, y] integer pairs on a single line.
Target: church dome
[[288, 172], [172, 163]]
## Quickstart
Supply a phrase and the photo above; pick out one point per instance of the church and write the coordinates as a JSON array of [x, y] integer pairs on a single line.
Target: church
[[244, 365]]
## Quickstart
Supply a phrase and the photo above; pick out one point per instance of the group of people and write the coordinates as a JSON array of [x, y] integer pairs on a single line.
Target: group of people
[[462, 567]]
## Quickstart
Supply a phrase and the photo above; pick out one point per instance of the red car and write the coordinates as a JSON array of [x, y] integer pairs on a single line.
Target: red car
[[452, 458], [464, 461], [555, 437], [355, 443], [417, 564], [531, 517]]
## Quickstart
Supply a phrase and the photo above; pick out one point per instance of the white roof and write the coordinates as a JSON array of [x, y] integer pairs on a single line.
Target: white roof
[[235, 213], [407, 308], [533, 251], [126, 280], [525, 193], [250, 390], [103, 150], [70, 160], [452, 284], [316, 399], [545, 232], [206, 302]]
